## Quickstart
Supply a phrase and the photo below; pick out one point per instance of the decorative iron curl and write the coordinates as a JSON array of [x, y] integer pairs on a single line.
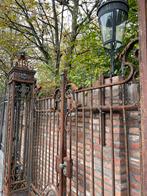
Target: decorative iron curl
[[123, 56]]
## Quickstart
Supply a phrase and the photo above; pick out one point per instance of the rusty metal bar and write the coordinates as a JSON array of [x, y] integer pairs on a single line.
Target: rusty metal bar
[[46, 143], [113, 83], [70, 148], [84, 144], [39, 147], [28, 145], [92, 144], [115, 108], [49, 143], [126, 142], [21, 127], [31, 100], [51, 147], [112, 140], [62, 181], [77, 166], [34, 147], [102, 133], [106, 108], [58, 131], [43, 145], [53, 153], [37, 138], [25, 142], [45, 110]]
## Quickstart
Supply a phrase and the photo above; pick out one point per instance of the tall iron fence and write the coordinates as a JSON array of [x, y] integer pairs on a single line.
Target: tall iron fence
[[102, 136], [83, 142]]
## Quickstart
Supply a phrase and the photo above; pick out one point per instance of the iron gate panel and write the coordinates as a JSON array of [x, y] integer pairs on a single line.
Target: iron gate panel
[[84, 138], [45, 145], [96, 131]]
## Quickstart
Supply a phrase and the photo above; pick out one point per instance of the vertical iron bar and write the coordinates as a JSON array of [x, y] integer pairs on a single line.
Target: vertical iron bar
[[70, 150], [46, 145], [34, 144], [126, 141], [77, 166], [29, 144], [62, 181], [92, 144], [38, 133], [39, 144], [31, 122], [102, 133], [43, 142], [84, 145], [16, 129], [26, 137], [58, 130], [53, 156], [21, 128], [49, 143], [112, 140]]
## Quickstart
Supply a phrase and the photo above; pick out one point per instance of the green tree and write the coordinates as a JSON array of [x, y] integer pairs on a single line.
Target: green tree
[[59, 35]]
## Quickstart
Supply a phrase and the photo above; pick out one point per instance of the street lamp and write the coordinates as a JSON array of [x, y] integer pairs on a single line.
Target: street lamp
[[112, 16]]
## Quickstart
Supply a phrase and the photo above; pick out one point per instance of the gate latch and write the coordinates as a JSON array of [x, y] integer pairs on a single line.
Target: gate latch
[[66, 166], [63, 166]]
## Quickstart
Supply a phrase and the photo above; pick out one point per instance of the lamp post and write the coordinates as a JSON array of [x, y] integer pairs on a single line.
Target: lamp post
[[112, 17]]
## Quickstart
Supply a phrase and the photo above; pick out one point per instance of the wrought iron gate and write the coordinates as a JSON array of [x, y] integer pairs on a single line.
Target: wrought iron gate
[[82, 139]]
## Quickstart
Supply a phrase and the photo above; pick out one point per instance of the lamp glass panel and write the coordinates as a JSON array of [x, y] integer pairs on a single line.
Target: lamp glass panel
[[121, 18], [106, 24]]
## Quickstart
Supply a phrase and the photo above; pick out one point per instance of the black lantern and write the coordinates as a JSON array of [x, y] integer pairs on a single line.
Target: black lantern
[[112, 16]]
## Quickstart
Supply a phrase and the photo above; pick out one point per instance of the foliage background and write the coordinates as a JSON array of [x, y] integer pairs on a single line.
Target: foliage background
[[84, 64]]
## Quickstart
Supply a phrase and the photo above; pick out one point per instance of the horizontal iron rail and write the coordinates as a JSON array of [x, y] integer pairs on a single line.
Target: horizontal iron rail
[[115, 108], [110, 84]]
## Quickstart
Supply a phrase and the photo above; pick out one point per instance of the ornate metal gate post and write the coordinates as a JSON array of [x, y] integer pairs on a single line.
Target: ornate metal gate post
[[18, 134]]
